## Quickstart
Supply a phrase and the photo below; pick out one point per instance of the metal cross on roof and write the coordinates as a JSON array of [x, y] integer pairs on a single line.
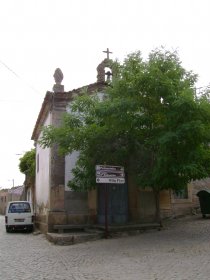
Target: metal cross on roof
[[107, 52]]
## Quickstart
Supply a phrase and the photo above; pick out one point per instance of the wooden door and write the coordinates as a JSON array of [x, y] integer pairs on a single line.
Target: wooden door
[[117, 203]]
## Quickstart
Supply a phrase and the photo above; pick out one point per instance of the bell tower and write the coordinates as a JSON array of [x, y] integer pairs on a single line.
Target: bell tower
[[105, 69]]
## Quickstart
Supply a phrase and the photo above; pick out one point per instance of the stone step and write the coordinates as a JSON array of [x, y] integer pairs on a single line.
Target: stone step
[[129, 227], [70, 227], [73, 238], [70, 234], [112, 228]]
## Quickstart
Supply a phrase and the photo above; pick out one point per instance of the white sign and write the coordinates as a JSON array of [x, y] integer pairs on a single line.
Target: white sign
[[109, 168], [109, 174], [110, 180]]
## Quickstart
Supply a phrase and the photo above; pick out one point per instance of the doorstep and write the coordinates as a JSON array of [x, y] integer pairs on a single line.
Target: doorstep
[[96, 232], [129, 227], [71, 238]]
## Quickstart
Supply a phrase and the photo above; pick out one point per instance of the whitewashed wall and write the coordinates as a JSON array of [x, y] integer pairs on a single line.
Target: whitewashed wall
[[70, 161], [42, 173]]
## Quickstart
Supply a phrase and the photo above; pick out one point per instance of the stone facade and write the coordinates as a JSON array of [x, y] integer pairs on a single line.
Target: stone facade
[[54, 204]]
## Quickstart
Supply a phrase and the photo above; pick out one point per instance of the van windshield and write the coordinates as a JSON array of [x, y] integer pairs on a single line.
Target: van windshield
[[19, 207]]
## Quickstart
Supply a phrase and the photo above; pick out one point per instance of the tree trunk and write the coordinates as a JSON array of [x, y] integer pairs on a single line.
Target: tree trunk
[[157, 203]]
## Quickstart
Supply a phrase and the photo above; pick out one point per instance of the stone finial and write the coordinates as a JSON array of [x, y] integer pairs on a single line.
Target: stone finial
[[58, 76]]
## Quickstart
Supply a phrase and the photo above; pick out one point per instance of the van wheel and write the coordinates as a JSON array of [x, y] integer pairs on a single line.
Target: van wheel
[[30, 229], [7, 230]]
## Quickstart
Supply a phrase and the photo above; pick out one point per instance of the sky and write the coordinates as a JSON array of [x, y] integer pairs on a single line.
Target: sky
[[38, 36]]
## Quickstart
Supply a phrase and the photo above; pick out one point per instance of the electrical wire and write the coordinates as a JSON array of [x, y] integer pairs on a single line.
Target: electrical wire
[[19, 77]]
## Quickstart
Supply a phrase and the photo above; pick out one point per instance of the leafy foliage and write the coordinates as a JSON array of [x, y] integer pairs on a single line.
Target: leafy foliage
[[27, 163], [150, 121]]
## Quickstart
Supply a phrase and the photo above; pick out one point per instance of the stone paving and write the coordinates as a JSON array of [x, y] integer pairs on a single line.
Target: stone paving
[[180, 251]]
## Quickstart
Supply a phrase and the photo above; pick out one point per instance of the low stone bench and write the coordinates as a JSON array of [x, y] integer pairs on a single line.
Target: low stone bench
[[69, 227]]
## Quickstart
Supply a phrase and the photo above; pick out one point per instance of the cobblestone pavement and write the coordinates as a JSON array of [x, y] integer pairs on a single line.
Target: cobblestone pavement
[[180, 251]]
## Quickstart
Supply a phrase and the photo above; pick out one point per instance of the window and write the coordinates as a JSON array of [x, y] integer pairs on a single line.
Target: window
[[181, 194], [19, 207]]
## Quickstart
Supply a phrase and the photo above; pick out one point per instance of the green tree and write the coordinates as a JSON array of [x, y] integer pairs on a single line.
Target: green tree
[[27, 163], [150, 121]]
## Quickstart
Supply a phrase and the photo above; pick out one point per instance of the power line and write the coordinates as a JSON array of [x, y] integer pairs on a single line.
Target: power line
[[19, 77], [8, 68]]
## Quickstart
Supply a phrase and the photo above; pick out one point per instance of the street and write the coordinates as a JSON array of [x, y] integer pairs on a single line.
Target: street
[[180, 251]]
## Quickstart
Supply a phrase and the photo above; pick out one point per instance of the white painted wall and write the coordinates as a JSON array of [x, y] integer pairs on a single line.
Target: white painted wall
[[42, 173], [29, 195], [70, 161]]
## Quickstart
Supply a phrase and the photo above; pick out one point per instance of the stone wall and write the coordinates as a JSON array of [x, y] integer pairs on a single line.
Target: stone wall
[[3, 201]]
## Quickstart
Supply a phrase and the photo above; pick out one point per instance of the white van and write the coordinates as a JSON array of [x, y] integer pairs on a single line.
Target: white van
[[19, 216]]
